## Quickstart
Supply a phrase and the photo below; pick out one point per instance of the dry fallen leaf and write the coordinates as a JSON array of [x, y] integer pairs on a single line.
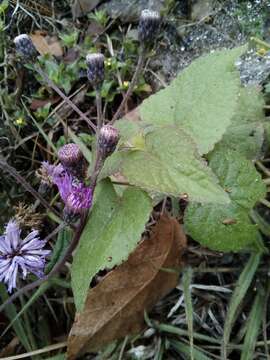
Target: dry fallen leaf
[[38, 103], [46, 44], [115, 307]]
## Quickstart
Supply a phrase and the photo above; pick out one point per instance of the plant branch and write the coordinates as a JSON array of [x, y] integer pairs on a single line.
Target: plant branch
[[14, 173], [132, 84], [63, 96]]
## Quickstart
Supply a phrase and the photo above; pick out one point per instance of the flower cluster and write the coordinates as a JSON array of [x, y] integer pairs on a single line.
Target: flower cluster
[[19, 257], [76, 196]]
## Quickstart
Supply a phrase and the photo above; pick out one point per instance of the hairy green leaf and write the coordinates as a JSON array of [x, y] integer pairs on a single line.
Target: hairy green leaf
[[228, 227], [202, 99], [167, 162], [112, 232], [246, 132]]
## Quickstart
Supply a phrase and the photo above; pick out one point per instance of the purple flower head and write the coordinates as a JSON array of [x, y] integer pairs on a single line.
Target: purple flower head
[[76, 196], [79, 200], [19, 256]]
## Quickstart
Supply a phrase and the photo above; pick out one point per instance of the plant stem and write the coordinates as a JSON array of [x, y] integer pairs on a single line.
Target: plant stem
[[13, 172], [131, 86], [63, 96], [99, 111], [260, 42]]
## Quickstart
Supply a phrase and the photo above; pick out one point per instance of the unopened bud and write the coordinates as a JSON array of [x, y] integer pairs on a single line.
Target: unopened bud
[[108, 140], [72, 160], [95, 69], [25, 47], [148, 26]]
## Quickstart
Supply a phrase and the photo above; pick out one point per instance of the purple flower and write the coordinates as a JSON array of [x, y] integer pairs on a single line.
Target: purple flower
[[19, 256], [76, 196], [80, 199]]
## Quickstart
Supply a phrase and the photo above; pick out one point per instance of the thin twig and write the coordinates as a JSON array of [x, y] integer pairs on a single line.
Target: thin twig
[[131, 86], [13, 172], [37, 352], [63, 96]]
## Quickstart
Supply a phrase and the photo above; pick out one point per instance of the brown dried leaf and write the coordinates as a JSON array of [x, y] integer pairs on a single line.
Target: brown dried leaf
[[115, 307], [46, 44], [38, 103]]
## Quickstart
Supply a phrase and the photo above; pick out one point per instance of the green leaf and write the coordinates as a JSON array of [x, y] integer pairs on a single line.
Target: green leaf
[[168, 163], [253, 326], [202, 99], [210, 226], [246, 132], [114, 228], [241, 288], [238, 177], [228, 227]]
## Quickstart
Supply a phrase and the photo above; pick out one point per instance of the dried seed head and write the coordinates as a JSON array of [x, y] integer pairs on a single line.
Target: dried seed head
[[25, 47], [95, 69], [108, 139], [27, 217], [148, 26], [72, 159]]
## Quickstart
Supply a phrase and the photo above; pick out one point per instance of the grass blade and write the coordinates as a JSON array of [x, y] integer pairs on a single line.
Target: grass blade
[[18, 325], [183, 348], [238, 295], [253, 326], [187, 278]]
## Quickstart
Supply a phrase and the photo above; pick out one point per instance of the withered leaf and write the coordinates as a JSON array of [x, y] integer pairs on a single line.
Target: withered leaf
[[46, 44], [115, 307]]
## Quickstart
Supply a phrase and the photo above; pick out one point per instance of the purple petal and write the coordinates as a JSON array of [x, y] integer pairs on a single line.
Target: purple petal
[[34, 244], [31, 236], [4, 266], [11, 276], [34, 261], [4, 249], [12, 235]]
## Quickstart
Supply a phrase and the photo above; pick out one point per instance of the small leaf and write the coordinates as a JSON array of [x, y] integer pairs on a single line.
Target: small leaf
[[202, 99], [113, 230], [228, 227], [115, 307]]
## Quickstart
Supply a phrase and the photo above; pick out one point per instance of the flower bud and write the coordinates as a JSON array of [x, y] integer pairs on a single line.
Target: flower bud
[[25, 47], [148, 26], [108, 139], [95, 71], [72, 160]]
